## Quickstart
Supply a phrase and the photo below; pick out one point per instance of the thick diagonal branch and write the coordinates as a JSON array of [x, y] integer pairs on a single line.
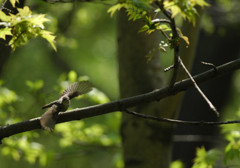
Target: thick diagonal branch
[[120, 105]]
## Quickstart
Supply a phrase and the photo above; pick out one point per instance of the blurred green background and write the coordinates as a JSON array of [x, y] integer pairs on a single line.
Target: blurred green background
[[35, 74]]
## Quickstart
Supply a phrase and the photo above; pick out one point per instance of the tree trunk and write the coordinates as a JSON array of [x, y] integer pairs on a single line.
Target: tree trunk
[[146, 144], [218, 49], [4, 47]]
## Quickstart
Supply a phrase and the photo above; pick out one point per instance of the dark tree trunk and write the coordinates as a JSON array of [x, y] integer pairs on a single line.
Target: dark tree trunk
[[215, 48], [5, 49]]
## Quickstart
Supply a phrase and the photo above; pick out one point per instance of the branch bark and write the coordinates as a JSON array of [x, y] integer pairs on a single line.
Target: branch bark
[[122, 104]]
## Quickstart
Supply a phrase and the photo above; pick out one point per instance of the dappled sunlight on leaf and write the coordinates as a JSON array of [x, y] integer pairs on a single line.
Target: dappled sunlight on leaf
[[177, 164], [98, 96], [24, 26], [23, 148], [77, 133], [206, 159]]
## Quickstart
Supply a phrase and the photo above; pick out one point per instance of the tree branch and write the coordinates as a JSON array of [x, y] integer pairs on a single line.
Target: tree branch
[[122, 104], [197, 87], [150, 117], [174, 41]]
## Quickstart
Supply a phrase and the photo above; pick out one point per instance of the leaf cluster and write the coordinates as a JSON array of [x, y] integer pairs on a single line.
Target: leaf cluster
[[230, 155], [138, 9], [206, 159], [149, 10], [186, 8], [24, 26], [135, 9], [22, 147]]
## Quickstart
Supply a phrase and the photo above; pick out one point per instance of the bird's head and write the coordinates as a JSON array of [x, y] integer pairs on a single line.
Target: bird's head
[[64, 100]]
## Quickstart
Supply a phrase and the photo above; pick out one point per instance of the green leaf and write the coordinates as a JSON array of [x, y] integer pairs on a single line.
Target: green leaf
[[177, 164], [115, 8], [24, 12], [35, 86], [38, 20], [24, 26], [144, 28], [49, 37], [164, 27], [4, 17], [142, 4], [7, 96], [99, 97], [186, 8], [185, 38], [72, 76], [4, 32], [13, 2], [205, 158], [232, 149], [201, 3]]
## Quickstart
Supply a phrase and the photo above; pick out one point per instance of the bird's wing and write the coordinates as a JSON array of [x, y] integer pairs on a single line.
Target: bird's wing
[[77, 88], [49, 104], [49, 118]]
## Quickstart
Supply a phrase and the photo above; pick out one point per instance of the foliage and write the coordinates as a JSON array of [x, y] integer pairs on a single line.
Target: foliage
[[7, 96], [141, 9], [232, 148], [177, 164], [144, 9], [23, 147], [210, 158], [24, 26], [186, 8], [205, 159]]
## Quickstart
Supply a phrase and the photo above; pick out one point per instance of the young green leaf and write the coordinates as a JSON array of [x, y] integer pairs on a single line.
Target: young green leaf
[[49, 37], [13, 2], [115, 8], [4, 17], [4, 32], [206, 159]]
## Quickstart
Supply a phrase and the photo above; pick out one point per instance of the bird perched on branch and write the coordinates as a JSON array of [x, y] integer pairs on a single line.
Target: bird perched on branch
[[49, 118]]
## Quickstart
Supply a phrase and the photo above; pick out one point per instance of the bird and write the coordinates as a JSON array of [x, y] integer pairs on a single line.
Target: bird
[[49, 118]]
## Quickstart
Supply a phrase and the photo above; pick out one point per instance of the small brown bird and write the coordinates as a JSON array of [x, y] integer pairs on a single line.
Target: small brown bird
[[49, 118]]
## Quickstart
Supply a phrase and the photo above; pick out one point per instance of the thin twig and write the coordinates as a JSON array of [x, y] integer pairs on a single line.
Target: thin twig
[[169, 68], [161, 21], [150, 117], [197, 87], [175, 36], [175, 66], [164, 34], [209, 64], [4, 8]]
